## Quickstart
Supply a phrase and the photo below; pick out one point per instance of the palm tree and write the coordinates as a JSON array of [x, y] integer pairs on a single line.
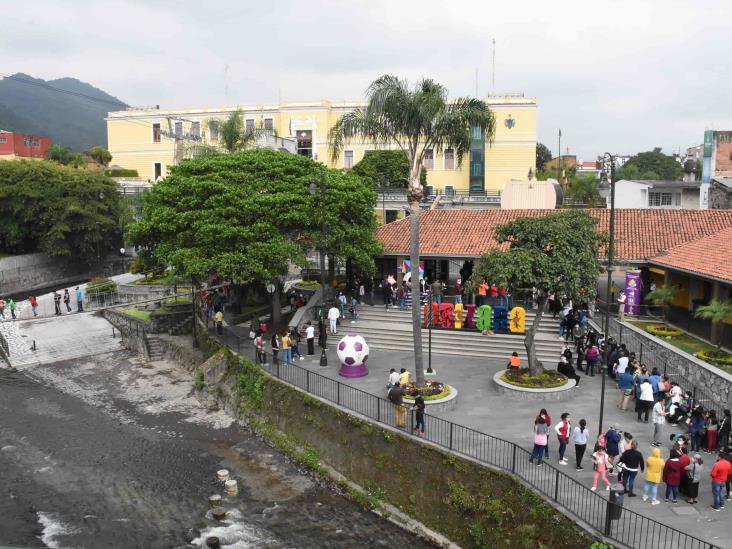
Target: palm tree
[[662, 297], [235, 136], [413, 120], [718, 312]]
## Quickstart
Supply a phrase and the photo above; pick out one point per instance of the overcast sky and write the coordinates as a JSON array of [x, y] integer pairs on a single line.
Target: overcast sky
[[621, 76]]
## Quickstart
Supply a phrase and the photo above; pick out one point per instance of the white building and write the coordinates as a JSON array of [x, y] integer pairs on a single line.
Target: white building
[[657, 194]]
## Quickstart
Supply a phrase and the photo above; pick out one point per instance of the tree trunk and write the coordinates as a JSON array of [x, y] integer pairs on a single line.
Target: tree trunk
[[535, 365], [415, 197], [276, 304]]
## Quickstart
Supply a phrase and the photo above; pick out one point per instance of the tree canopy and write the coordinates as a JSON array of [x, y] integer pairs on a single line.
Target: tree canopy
[[61, 211], [63, 155], [248, 214], [585, 188], [543, 155], [100, 155], [386, 169], [653, 165], [556, 252]]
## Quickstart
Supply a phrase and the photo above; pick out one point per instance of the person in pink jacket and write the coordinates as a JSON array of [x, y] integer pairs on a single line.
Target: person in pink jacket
[[600, 465]]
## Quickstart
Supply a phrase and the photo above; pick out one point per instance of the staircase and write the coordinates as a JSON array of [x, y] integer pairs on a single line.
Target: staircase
[[154, 347], [182, 326], [392, 330]]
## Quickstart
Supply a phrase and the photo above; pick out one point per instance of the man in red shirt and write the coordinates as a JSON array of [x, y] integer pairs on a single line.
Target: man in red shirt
[[720, 473]]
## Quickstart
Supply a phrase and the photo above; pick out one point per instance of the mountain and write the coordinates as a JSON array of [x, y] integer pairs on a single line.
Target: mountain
[[73, 119]]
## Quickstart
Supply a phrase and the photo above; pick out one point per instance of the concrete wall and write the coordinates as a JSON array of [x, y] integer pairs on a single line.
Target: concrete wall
[[32, 272]]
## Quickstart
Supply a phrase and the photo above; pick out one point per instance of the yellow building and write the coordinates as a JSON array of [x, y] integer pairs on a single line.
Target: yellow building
[[150, 140]]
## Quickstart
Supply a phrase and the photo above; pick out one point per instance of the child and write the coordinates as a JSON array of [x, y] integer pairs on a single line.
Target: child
[[540, 440], [600, 465]]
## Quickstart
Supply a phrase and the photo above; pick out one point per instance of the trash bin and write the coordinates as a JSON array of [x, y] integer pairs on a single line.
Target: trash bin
[[615, 504]]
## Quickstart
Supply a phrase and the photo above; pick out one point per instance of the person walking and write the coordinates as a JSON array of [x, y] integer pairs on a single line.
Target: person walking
[[286, 346], [310, 337], [34, 304], [711, 425], [540, 440], [458, 291], [396, 397], [591, 354], [672, 471], [418, 408], [693, 473], [12, 305], [720, 473], [295, 345], [654, 470], [79, 300], [612, 441], [696, 429], [274, 343], [333, 316], [645, 399], [724, 429], [393, 378], [67, 300], [403, 378], [659, 420], [362, 293], [600, 466], [632, 462], [563, 430], [548, 421], [580, 437], [259, 346], [354, 310], [57, 303], [437, 291], [219, 319]]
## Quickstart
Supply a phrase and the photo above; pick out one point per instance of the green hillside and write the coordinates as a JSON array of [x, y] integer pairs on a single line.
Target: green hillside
[[74, 119]]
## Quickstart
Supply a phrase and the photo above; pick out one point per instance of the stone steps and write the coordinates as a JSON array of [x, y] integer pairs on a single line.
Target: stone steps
[[154, 348]]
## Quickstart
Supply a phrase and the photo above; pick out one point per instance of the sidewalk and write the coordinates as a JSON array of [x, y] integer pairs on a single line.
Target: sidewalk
[[482, 408]]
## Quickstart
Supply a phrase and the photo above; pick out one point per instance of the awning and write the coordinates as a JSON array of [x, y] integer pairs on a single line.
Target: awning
[[657, 270]]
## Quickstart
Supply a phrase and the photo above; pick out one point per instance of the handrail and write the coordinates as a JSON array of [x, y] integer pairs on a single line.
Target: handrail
[[632, 529]]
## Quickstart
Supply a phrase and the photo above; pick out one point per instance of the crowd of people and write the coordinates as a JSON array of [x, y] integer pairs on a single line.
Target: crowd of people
[[14, 308]]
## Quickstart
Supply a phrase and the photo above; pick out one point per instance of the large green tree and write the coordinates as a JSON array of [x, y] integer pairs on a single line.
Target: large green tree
[[100, 155], [61, 211], [249, 214], [235, 135], [651, 165], [719, 313], [63, 155], [386, 169], [585, 188], [556, 252], [414, 119], [543, 155]]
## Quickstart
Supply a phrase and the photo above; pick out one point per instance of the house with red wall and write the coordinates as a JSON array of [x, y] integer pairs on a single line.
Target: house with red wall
[[22, 145]]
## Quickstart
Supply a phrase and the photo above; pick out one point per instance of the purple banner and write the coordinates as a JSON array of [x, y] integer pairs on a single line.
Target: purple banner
[[632, 293]]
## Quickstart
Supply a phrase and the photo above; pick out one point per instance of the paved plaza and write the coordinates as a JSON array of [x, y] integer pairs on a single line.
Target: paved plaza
[[482, 408]]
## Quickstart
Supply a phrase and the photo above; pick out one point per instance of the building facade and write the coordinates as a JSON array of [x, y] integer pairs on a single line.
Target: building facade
[[21, 145], [657, 194], [150, 140]]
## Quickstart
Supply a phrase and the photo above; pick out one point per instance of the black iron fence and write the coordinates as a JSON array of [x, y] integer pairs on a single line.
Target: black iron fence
[[624, 526], [667, 362]]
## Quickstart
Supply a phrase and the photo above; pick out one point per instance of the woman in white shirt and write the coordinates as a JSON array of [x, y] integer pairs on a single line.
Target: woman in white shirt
[[581, 434]]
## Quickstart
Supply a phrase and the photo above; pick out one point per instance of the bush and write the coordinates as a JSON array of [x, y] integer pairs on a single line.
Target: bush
[[122, 172], [663, 330], [521, 377], [434, 390], [716, 357], [100, 285]]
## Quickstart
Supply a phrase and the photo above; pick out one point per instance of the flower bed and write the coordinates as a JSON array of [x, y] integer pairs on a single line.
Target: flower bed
[[522, 377], [433, 390], [716, 357], [663, 330]]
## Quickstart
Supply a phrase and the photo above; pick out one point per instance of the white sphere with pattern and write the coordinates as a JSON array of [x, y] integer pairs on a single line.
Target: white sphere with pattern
[[353, 350]]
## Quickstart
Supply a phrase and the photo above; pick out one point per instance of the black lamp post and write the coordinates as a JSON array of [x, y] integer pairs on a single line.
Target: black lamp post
[[607, 187], [531, 174], [314, 187]]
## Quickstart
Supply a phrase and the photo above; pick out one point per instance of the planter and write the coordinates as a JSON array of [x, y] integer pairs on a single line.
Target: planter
[[521, 393], [724, 360], [662, 330], [440, 404]]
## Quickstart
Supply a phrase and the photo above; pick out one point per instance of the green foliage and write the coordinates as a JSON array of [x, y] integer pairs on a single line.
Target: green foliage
[[101, 285], [386, 169], [100, 155], [663, 330], [58, 210], [718, 312], [232, 132], [248, 214], [653, 165], [585, 188], [199, 379], [543, 155], [522, 377], [139, 314], [121, 172], [662, 297], [63, 155]]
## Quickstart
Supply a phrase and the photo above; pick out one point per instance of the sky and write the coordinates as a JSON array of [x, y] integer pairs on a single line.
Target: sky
[[619, 76]]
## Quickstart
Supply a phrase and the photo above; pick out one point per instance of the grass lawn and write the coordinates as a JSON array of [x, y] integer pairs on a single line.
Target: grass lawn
[[165, 279], [686, 343], [137, 313]]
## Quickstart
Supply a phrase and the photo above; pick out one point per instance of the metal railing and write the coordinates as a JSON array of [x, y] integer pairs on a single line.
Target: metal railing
[[631, 529], [656, 356]]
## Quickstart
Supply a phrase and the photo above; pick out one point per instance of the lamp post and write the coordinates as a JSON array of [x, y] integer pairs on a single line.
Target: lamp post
[[531, 174], [608, 187], [314, 186]]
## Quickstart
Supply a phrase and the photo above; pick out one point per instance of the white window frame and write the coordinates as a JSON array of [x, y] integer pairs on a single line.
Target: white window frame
[[162, 170], [444, 160], [160, 132], [449, 190], [196, 124], [178, 124], [253, 121], [210, 133], [353, 159], [432, 159], [271, 120]]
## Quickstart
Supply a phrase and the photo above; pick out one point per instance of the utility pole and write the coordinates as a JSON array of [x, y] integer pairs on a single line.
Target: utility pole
[[559, 159]]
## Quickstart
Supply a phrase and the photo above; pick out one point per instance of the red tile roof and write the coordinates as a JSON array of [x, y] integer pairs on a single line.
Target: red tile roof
[[639, 234], [708, 256]]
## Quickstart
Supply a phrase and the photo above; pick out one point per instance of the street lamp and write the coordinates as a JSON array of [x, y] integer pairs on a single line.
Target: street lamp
[[531, 174], [314, 186], [607, 187]]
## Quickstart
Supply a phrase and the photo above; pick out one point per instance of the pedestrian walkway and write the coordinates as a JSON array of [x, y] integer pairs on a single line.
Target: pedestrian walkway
[[482, 408]]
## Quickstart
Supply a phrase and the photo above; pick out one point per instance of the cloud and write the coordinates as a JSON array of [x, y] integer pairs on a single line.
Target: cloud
[[617, 75]]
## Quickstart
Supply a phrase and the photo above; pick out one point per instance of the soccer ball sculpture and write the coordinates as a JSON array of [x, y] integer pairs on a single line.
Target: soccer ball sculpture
[[353, 351]]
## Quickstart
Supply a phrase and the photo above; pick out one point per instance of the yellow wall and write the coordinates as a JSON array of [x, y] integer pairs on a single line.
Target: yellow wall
[[510, 156]]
